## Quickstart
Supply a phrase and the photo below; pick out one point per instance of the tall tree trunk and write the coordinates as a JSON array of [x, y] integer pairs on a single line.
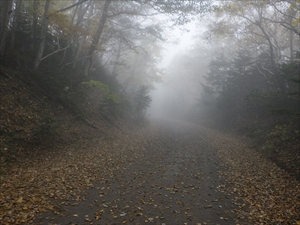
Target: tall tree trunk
[[291, 40], [273, 55], [113, 73], [36, 4], [6, 10], [71, 40], [97, 36], [291, 15], [81, 12], [279, 78], [132, 73], [44, 28], [16, 20]]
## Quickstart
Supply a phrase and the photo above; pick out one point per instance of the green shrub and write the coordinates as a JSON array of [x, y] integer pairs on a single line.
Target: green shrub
[[105, 88]]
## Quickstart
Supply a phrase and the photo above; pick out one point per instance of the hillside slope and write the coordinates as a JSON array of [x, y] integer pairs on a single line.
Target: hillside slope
[[32, 120]]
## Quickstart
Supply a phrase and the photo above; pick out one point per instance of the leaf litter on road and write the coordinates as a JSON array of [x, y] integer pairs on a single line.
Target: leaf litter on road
[[33, 187], [266, 194], [150, 188]]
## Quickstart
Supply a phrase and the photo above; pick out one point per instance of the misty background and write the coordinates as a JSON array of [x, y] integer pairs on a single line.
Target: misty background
[[230, 65]]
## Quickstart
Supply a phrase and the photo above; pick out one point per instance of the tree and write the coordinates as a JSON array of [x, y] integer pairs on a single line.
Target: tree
[[44, 28], [35, 7], [142, 101], [15, 23], [169, 7], [259, 26], [97, 35], [5, 12], [217, 74]]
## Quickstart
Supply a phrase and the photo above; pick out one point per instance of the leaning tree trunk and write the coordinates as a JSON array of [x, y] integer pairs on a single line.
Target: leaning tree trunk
[[97, 36], [44, 28]]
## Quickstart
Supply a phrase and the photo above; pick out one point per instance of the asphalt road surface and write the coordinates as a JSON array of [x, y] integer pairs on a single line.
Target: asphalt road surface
[[174, 181]]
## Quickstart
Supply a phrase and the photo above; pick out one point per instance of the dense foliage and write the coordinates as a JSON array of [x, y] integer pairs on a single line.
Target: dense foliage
[[79, 52], [252, 84], [243, 95]]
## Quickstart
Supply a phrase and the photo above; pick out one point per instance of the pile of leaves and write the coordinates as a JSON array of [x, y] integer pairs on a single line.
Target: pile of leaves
[[266, 194]]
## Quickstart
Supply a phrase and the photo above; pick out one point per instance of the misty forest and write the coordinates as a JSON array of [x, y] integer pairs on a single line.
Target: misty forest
[[150, 112]]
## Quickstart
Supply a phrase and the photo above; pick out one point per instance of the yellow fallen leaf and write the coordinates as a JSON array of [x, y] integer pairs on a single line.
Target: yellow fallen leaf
[[20, 200], [98, 217]]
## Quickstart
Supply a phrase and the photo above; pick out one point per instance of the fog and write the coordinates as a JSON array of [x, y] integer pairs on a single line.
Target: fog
[[177, 95], [219, 68], [201, 60]]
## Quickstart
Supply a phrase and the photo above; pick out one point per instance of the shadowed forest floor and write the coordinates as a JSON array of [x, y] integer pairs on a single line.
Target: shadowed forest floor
[[165, 173]]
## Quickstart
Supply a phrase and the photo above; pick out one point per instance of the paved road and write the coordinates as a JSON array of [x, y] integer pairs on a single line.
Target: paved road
[[175, 181]]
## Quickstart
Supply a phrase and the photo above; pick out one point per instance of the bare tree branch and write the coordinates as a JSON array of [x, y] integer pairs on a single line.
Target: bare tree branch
[[52, 53], [71, 6], [284, 24], [133, 13], [69, 63], [269, 82]]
